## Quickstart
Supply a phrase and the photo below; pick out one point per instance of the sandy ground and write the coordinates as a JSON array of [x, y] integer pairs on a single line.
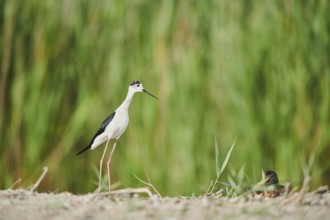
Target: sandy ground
[[22, 204]]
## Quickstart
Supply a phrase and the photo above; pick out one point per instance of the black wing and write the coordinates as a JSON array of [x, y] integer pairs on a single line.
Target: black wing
[[99, 131]]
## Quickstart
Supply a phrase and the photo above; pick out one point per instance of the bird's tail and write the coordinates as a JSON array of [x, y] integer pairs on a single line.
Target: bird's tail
[[83, 150]]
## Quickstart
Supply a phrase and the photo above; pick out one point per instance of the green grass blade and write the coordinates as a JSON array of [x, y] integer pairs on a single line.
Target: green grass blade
[[217, 157], [224, 164]]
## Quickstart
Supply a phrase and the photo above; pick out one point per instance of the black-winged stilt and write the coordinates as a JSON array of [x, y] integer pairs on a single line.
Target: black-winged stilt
[[114, 126]]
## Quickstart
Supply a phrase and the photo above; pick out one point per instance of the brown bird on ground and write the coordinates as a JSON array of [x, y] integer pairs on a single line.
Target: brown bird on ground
[[269, 186]]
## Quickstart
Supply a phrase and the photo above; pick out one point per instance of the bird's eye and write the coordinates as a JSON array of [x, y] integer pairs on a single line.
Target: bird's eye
[[138, 85]]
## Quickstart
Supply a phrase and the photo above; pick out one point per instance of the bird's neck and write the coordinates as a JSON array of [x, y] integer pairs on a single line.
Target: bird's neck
[[127, 101]]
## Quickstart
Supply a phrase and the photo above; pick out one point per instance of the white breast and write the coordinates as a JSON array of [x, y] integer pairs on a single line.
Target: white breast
[[118, 125]]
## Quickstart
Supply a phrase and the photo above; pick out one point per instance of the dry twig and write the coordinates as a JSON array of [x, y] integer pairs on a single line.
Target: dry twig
[[17, 182], [129, 191], [148, 183], [35, 186], [298, 197]]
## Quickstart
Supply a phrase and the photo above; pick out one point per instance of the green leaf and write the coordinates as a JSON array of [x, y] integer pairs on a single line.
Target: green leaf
[[217, 156], [227, 158]]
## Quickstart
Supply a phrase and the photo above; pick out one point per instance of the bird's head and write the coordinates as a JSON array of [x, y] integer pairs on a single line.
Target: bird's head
[[271, 177], [136, 86]]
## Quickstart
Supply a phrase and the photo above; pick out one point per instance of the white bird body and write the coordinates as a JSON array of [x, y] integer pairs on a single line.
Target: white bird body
[[115, 129], [114, 126], [118, 127]]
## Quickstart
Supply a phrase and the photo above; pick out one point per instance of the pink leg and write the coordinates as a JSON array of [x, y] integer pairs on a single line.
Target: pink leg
[[108, 164], [101, 162]]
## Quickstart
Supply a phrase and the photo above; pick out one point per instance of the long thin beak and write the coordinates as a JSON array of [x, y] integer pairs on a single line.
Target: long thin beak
[[149, 93]]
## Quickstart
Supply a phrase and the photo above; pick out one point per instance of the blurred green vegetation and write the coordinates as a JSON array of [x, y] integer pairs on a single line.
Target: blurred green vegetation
[[256, 70]]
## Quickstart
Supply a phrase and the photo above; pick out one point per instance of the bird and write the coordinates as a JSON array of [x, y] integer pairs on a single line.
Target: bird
[[273, 187], [113, 127], [269, 186]]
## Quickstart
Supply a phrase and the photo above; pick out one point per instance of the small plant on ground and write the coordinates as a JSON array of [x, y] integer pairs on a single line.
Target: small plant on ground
[[220, 167]]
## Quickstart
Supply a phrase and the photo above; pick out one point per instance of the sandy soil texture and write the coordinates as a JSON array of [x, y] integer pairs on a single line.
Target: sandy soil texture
[[23, 204]]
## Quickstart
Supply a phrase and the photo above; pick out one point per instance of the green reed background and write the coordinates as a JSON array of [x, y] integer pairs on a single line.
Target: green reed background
[[256, 70]]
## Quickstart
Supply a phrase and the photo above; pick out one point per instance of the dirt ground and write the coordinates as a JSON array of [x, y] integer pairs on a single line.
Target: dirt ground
[[22, 204]]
